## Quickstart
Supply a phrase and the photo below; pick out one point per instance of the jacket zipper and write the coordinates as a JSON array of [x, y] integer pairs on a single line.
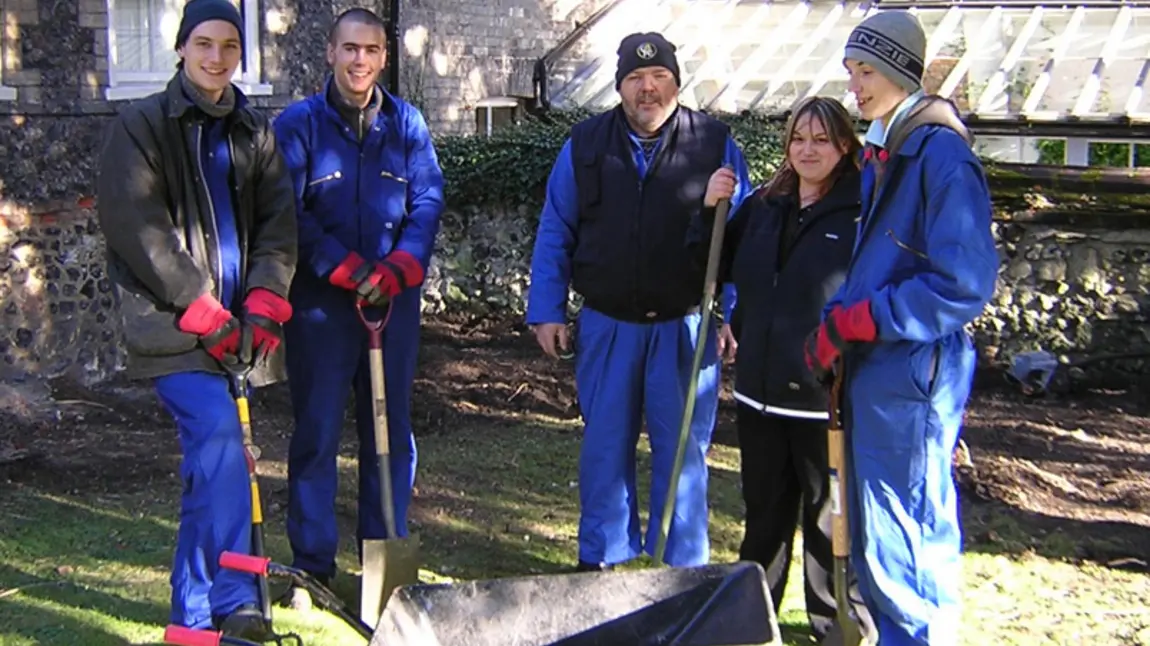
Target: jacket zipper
[[211, 211], [325, 178]]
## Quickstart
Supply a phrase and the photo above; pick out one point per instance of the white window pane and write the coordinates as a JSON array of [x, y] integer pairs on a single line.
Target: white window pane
[[144, 34]]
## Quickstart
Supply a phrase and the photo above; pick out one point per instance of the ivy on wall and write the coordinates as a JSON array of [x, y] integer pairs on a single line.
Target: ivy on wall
[[512, 166]]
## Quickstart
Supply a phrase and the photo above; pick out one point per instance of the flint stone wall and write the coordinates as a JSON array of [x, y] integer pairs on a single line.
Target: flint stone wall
[[1061, 287]]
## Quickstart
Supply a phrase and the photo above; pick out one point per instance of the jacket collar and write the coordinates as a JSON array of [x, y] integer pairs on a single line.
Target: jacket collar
[[179, 104], [844, 194], [387, 105]]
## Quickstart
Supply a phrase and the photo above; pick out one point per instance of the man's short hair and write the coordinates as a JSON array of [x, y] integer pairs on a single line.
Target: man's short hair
[[360, 15]]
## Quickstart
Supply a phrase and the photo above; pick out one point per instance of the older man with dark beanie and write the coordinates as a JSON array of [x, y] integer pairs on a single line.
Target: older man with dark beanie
[[924, 267], [197, 211], [619, 203]]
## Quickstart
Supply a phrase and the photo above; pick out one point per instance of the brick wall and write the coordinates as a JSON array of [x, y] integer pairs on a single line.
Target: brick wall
[[457, 52]]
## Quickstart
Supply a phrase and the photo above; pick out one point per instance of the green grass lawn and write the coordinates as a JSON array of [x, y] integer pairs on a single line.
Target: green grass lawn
[[495, 500]]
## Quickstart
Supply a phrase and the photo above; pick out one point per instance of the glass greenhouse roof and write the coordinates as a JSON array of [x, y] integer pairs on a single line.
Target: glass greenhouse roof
[[1006, 59]]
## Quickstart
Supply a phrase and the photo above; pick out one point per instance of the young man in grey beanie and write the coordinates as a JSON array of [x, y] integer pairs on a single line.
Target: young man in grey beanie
[[198, 214], [924, 266], [614, 226]]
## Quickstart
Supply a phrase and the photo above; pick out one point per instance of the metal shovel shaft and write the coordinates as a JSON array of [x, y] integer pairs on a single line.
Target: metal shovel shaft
[[714, 254]]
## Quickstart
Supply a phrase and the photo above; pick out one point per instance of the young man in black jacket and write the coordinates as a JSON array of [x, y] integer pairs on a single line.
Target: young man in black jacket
[[786, 250], [198, 215]]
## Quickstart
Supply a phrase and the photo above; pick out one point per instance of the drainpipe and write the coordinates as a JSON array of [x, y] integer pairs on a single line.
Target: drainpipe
[[543, 64], [393, 60]]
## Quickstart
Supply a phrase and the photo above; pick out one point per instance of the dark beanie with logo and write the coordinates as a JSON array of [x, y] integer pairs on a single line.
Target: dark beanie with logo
[[201, 11], [645, 50], [893, 43]]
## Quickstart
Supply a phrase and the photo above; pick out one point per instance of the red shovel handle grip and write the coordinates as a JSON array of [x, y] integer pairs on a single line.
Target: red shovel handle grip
[[257, 565], [182, 636]]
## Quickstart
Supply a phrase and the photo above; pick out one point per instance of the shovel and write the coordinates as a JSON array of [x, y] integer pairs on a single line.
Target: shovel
[[714, 255], [845, 631], [391, 562]]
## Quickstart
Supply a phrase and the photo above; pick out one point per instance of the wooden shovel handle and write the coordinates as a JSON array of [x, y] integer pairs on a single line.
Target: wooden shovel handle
[[836, 461]]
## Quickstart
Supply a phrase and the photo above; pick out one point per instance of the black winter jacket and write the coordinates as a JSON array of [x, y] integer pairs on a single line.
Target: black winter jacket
[[780, 303], [153, 209]]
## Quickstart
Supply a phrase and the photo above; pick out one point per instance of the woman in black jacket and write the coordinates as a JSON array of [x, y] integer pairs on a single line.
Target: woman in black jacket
[[786, 250]]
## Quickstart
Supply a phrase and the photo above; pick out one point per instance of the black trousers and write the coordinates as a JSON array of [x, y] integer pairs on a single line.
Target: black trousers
[[785, 478]]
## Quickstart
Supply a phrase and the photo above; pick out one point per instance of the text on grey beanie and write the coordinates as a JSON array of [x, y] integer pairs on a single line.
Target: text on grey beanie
[[893, 43]]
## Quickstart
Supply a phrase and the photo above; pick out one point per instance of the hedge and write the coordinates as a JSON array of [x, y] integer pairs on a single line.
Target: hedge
[[512, 166]]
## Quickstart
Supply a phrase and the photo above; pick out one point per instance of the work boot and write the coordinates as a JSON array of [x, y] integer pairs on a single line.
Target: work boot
[[245, 622], [584, 566]]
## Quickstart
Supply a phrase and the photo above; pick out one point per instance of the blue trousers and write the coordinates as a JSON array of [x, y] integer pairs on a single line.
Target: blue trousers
[[626, 372], [215, 506], [327, 359], [905, 417]]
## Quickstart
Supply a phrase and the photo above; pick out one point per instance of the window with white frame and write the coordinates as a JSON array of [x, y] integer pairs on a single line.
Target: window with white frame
[[142, 40]]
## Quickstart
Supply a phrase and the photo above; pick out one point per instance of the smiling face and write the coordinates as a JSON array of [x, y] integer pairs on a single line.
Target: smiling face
[[812, 150], [876, 95], [211, 55], [649, 95], [357, 55]]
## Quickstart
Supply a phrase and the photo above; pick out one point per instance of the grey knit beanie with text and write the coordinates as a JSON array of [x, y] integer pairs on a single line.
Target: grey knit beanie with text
[[893, 43]]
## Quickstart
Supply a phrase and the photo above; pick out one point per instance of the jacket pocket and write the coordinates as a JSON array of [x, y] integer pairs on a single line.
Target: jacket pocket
[[587, 180], [389, 175], [149, 331], [926, 362], [327, 177], [906, 247]]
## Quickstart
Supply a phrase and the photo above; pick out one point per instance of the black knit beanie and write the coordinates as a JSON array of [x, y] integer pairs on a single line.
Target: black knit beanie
[[645, 50], [199, 11]]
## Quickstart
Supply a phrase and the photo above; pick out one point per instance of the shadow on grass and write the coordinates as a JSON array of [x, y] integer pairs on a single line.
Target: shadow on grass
[[993, 528], [68, 566]]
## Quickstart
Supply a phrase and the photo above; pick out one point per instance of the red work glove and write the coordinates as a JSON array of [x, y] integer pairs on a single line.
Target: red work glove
[[341, 276], [266, 312], [841, 327], [218, 330], [377, 283], [401, 270]]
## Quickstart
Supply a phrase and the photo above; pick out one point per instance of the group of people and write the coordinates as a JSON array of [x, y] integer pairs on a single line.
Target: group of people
[[230, 234], [857, 260]]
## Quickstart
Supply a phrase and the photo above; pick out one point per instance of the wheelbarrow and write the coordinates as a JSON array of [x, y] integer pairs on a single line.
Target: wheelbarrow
[[708, 605]]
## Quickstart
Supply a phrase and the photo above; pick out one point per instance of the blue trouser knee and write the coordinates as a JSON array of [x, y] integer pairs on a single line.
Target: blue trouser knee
[[623, 372], [327, 357], [215, 508], [906, 537]]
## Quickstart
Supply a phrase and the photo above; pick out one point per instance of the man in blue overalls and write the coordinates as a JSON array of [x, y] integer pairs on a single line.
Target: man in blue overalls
[[619, 203], [370, 197], [923, 267]]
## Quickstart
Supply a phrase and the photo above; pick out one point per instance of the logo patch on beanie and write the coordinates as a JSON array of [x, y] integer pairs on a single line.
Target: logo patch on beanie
[[646, 51]]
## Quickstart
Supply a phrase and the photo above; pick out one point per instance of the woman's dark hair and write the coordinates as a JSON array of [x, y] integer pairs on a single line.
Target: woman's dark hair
[[837, 123]]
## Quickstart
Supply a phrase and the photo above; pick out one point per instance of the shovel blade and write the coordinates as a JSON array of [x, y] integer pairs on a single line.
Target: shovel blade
[[387, 565], [712, 605]]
